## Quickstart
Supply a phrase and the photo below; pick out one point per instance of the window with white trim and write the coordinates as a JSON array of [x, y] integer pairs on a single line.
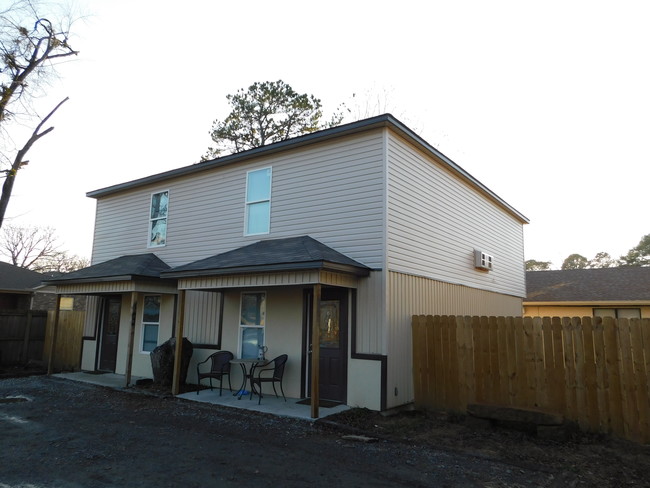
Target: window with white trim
[[158, 219], [618, 313], [150, 322], [258, 202], [252, 318]]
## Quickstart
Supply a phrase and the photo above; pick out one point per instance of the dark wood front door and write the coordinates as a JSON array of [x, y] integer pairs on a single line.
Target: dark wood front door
[[110, 329], [333, 351]]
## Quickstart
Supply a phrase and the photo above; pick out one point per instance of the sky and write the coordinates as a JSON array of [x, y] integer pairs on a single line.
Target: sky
[[546, 103]]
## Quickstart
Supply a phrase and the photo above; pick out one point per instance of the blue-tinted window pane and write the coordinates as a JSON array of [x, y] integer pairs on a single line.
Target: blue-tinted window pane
[[159, 204], [259, 185], [158, 236], [259, 216], [251, 338], [253, 309], [151, 308], [150, 340]]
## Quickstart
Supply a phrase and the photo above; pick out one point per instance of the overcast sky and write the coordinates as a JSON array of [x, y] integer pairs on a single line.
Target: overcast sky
[[547, 104]]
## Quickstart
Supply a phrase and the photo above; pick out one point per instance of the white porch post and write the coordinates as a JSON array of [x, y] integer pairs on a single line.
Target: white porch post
[[129, 355], [176, 379], [315, 351]]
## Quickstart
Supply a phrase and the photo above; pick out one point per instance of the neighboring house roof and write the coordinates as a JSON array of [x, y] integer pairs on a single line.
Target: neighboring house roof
[[622, 284], [123, 268], [380, 121], [290, 254], [18, 280]]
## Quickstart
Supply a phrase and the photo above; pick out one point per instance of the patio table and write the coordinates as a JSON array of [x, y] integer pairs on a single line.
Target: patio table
[[247, 365]]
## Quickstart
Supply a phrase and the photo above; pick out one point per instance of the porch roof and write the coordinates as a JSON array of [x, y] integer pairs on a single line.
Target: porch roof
[[273, 255], [125, 268]]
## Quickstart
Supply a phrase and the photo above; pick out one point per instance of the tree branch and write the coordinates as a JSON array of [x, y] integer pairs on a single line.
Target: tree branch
[[8, 185]]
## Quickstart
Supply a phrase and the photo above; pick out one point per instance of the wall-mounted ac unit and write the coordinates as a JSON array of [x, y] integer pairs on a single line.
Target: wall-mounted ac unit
[[482, 260]]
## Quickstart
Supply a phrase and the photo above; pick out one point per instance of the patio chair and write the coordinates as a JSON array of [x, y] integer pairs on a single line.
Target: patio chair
[[272, 372], [219, 367]]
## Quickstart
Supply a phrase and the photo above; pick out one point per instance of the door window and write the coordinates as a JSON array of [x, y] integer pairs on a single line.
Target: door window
[[329, 324]]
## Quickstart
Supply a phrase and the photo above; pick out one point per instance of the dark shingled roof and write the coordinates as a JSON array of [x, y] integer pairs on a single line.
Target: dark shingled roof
[[122, 268], [589, 285], [15, 278], [288, 254]]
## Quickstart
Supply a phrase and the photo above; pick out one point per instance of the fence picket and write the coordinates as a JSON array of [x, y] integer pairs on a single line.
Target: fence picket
[[641, 380], [628, 386], [591, 393], [452, 378], [522, 379], [612, 362]]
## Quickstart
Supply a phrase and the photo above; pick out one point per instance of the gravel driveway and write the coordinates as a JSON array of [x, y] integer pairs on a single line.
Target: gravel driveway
[[59, 433]]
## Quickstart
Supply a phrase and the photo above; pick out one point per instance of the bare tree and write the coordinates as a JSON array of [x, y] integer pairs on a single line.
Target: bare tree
[[30, 44], [36, 248]]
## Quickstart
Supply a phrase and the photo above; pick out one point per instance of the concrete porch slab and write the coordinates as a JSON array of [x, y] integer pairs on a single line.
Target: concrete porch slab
[[270, 404]]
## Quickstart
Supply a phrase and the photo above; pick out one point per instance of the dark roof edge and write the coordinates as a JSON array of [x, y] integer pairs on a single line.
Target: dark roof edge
[[104, 279], [380, 121]]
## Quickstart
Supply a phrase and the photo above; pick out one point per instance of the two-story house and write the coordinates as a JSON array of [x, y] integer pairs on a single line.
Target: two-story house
[[366, 223]]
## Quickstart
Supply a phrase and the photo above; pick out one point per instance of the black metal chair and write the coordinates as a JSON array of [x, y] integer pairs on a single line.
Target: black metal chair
[[271, 372], [219, 367]]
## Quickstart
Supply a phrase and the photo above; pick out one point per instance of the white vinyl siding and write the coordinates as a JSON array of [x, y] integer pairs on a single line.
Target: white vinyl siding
[[436, 221], [331, 191]]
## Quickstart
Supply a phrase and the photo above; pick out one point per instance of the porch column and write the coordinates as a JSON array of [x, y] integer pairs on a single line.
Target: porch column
[[55, 329], [176, 379], [129, 354], [315, 351]]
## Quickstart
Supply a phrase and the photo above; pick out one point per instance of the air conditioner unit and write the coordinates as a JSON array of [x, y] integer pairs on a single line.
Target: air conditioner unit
[[482, 260]]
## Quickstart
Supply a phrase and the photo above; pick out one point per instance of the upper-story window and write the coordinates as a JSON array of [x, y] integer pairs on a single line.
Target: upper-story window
[[258, 202], [158, 219]]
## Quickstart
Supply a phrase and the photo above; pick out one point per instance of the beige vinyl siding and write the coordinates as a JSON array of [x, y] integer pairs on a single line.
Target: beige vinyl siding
[[202, 310], [436, 221], [332, 191], [371, 315], [414, 295]]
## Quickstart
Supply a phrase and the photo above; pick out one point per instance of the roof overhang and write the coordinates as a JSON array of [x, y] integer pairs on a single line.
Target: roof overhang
[[107, 287], [274, 268]]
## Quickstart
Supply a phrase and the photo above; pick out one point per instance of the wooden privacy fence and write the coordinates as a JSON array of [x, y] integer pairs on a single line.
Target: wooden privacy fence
[[21, 336], [69, 340], [593, 371]]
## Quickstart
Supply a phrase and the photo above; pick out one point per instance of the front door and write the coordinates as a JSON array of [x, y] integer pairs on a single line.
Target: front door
[[110, 327], [333, 351]]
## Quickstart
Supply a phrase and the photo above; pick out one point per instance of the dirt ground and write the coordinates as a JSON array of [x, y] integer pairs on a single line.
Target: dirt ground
[[59, 433]]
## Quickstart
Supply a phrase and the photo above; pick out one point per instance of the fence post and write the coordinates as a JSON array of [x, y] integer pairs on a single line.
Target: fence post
[[55, 327], [24, 354]]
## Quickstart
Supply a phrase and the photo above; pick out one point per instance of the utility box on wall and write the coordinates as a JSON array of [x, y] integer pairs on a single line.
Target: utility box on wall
[[482, 260]]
